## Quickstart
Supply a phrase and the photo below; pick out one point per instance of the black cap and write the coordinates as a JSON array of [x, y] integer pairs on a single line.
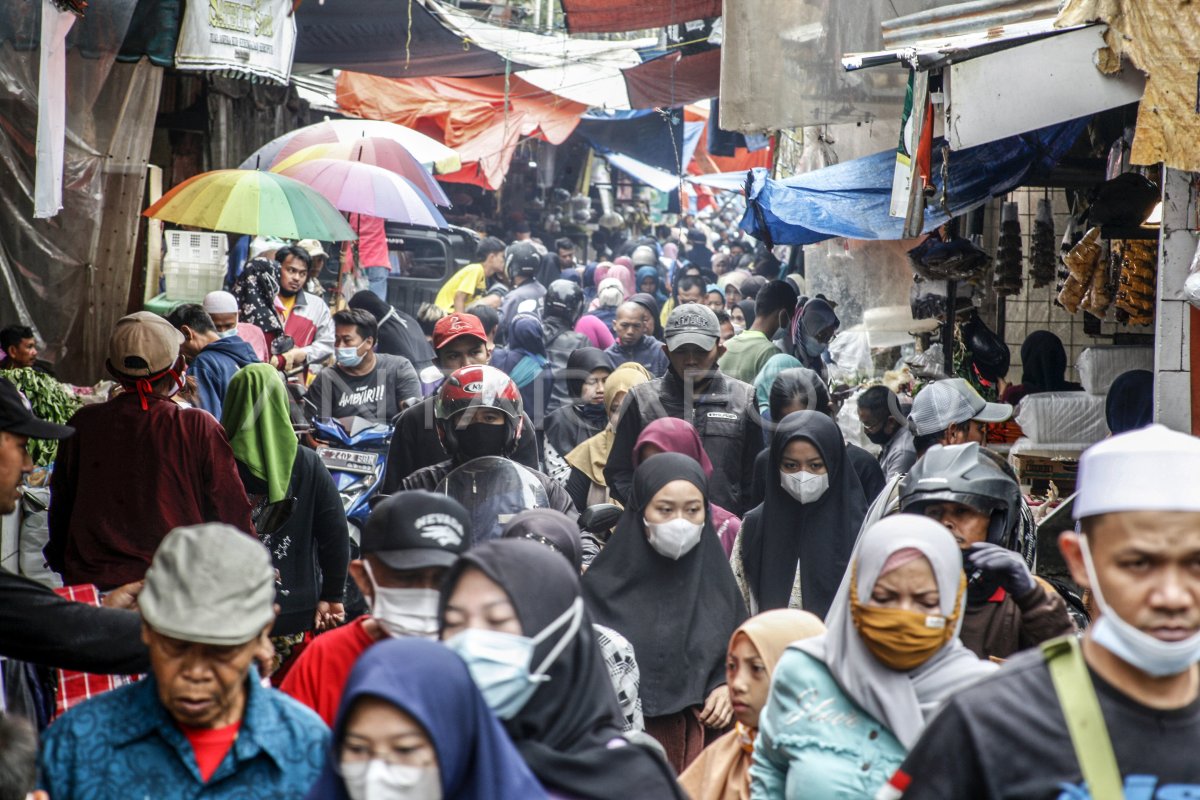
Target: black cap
[[16, 416], [416, 529]]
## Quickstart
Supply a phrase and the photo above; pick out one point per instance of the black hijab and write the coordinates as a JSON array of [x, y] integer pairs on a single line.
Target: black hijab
[[1044, 364], [678, 615], [820, 536], [747, 307], [1130, 401], [550, 528], [565, 731], [569, 426], [399, 333]]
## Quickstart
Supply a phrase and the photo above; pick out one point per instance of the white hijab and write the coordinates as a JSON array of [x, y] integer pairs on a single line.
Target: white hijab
[[903, 701]]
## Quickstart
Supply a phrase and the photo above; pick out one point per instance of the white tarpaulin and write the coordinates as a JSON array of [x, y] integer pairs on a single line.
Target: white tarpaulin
[[52, 110], [252, 38], [585, 71]]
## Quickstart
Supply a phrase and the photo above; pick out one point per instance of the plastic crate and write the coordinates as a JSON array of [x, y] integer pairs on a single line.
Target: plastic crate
[[190, 281], [196, 247]]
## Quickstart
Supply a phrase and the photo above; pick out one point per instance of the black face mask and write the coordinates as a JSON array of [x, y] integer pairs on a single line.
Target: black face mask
[[481, 439], [879, 437], [594, 413]]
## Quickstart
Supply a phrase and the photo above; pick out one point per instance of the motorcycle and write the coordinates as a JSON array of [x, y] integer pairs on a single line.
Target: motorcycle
[[493, 490], [354, 450]]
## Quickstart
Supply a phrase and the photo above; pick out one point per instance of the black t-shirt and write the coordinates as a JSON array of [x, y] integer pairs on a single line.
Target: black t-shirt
[[376, 396], [1006, 738]]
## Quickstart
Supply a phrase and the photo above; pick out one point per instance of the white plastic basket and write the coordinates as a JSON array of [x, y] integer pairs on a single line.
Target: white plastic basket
[[189, 281], [196, 247]]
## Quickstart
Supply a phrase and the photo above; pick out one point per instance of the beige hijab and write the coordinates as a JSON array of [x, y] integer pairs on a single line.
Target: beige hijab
[[591, 455], [722, 771]]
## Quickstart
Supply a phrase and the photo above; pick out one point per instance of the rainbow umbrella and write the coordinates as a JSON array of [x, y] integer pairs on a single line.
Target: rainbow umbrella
[[254, 203], [366, 189], [377, 151], [430, 152]]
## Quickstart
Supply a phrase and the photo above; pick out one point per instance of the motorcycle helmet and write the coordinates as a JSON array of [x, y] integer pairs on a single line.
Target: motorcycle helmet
[[477, 387], [964, 474], [522, 258], [563, 300], [644, 256]]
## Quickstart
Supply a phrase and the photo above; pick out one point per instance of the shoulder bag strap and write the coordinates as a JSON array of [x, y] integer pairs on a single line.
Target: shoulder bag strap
[[1085, 721]]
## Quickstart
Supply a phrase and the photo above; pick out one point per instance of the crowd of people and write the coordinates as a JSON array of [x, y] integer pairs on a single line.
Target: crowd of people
[[703, 589]]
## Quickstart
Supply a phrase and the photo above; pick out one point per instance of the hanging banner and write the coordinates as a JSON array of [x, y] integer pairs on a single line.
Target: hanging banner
[[52, 110], [913, 156], [250, 38]]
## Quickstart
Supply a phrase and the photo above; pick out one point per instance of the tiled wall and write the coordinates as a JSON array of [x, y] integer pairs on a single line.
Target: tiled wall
[[1035, 309]]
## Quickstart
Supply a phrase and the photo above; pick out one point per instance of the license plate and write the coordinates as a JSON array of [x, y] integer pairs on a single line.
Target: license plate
[[347, 460]]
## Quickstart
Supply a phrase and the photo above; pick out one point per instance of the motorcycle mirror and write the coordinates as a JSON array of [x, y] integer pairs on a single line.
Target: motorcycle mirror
[[599, 518]]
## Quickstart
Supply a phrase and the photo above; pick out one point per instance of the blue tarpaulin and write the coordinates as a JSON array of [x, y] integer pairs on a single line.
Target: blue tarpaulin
[[851, 199], [647, 136]]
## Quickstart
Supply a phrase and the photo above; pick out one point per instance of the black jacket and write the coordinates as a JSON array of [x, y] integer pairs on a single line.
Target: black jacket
[[415, 444], [726, 418], [311, 549], [561, 340], [38, 626]]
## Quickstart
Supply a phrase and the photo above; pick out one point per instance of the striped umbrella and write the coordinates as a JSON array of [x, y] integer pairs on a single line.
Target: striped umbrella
[[360, 188], [254, 203]]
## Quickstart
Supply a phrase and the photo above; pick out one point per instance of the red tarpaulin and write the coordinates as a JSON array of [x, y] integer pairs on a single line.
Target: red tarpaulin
[[467, 114], [609, 16], [674, 80], [703, 163]]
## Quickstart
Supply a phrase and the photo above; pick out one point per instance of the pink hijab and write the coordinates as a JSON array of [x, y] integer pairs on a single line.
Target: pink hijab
[[671, 250], [625, 276], [595, 330], [601, 272]]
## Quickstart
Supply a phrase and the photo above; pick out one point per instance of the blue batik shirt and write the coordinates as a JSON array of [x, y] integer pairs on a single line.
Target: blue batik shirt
[[124, 745]]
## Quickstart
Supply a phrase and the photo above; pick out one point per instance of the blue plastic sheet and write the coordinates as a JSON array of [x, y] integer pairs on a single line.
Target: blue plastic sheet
[[851, 199]]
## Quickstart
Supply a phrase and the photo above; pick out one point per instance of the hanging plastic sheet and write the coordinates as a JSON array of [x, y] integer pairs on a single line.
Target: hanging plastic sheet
[[851, 199], [652, 137], [612, 16], [69, 277], [674, 79]]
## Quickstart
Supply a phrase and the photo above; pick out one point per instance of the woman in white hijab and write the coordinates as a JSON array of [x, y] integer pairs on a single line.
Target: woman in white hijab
[[846, 706]]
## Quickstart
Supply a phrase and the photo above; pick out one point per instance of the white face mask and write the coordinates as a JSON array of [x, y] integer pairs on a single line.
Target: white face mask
[[804, 487], [1137, 648], [674, 538], [404, 612], [378, 780]]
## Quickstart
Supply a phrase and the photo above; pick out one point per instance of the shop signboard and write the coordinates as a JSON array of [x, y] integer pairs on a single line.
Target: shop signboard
[[249, 38]]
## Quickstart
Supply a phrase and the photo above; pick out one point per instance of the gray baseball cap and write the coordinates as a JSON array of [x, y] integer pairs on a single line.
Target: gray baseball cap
[[952, 401], [210, 584], [692, 323]]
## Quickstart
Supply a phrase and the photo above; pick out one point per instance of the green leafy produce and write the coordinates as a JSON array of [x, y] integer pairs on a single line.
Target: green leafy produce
[[51, 401]]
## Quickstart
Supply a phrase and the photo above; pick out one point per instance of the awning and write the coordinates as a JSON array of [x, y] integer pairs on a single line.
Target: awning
[[611, 16], [467, 114], [675, 79], [722, 181], [652, 137], [387, 37], [661, 179], [851, 199]]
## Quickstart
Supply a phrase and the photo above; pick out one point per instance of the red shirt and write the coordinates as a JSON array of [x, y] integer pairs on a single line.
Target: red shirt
[[128, 477], [372, 241], [319, 674], [210, 746]]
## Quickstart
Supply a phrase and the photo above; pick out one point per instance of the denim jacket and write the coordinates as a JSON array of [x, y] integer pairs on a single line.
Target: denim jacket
[[125, 745], [814, 742]]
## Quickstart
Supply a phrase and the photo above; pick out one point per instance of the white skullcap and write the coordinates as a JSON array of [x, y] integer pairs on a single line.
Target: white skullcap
[[220, 303], [1150, 469]]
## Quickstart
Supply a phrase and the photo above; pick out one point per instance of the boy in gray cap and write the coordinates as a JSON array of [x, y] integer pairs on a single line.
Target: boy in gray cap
[[720, 407], [201, 724]]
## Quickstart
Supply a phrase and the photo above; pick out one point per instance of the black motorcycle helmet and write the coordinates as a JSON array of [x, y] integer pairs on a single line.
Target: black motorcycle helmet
[[965, 474], [522, 258], [563, 300]]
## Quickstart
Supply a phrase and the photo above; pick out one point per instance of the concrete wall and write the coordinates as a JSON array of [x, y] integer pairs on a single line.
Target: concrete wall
[[1172, 373]]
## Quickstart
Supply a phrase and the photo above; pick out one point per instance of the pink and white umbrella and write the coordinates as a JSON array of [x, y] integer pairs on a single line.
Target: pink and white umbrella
[[380, 152], [359, 188]]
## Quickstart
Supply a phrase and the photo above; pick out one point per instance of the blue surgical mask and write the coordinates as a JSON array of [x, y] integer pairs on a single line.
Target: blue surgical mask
[[500, 662], [227, 333], [1135, 647], [811, 347], [348, 357]]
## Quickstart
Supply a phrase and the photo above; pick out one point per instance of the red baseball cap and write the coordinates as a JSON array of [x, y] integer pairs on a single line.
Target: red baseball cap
[[452, 326]]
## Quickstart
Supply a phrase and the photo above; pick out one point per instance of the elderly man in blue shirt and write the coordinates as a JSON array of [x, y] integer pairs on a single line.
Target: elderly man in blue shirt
[[201, 725]]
